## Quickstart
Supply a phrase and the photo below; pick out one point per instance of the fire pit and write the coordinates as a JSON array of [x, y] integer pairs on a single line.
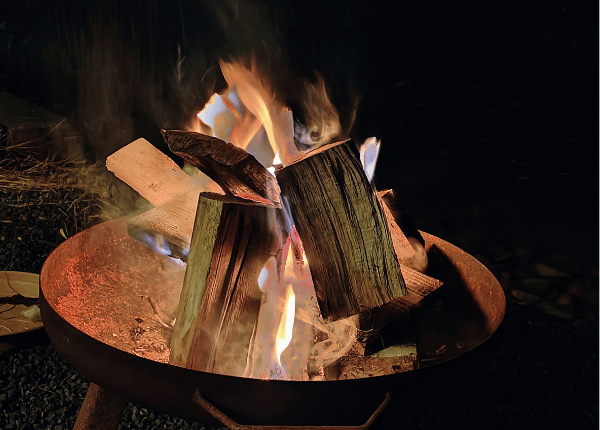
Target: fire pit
[[106, 300]]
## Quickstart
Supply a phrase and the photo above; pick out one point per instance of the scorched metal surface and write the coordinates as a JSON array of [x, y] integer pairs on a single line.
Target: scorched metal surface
[[95, 290]]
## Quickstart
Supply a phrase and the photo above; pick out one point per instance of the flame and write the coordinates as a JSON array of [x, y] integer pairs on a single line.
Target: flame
[[250, 106], [258, 99], [286, 325], [160, 244], [267, 279], [369, 152], [221, 113], [322, 119]]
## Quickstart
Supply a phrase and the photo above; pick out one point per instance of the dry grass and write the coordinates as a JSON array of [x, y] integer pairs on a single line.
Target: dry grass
[[83, 188]]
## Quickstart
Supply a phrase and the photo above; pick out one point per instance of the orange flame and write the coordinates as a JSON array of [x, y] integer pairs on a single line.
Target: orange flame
[[286, 325], [258, 99]]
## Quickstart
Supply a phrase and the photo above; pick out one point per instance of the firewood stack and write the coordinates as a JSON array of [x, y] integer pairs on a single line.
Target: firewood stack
[[344, 227]]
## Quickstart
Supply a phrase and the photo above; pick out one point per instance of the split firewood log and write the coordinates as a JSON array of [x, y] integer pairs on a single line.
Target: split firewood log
[[220, 299], [343, 230], [235, 170]]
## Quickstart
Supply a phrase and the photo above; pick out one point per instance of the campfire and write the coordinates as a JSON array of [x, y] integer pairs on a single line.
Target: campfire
[[295, 264], [266, 273]]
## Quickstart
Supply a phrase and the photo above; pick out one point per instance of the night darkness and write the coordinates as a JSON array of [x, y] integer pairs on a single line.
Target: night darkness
[[488, 116]]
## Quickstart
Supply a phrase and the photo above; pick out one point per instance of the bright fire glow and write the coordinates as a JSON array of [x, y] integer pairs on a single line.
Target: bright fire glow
[[276, 161], [220, 113], [286, 325], [369, 151], [267, 279], [275, 118]]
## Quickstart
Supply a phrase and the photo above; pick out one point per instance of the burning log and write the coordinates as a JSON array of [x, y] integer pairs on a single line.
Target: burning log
[[343, 230], [235, 170], [220, 298]]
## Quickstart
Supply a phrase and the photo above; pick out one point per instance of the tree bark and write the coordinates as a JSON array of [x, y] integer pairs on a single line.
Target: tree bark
[[343, 230], [220, 299]]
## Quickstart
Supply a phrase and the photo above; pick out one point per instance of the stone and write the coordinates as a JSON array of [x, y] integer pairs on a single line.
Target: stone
[[556, 310], [503, 257], [505, 280], [524, 256], [553, 295], [523, 271], [535, 286], [591, 295], [494, 249], [524, 298], [564, 300], [576, 290], [550, 272]]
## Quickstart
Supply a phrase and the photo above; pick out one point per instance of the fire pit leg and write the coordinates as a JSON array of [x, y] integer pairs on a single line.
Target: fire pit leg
[[101, 410], [199, 399]]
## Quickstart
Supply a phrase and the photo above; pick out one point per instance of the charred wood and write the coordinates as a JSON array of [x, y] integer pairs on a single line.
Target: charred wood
[[235, 170]]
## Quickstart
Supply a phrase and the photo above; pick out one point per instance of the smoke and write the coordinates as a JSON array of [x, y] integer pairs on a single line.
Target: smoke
[[130, 68], [305, 54]]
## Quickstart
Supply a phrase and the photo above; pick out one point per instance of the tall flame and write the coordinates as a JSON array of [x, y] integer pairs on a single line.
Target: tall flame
[[286, 325], [275, 118]]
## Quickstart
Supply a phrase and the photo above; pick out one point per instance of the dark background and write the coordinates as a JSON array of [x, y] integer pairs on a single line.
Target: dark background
[[487, 113]]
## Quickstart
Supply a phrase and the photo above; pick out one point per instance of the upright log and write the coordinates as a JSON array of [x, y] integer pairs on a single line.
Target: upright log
[[220, 299], [343, 230]]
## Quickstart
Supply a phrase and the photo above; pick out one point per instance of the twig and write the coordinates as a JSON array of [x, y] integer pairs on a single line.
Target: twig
[[160, 316]]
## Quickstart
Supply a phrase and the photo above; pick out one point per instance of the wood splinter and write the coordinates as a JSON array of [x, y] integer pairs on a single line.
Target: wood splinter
[[343, 230]]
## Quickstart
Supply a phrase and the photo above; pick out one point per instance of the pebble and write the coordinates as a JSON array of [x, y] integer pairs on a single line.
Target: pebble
[[503, 257], [505, 280], [556, 310], [576, 290], [523, 256], [591, 295], [535, 286], [496, 249], [553, 295], [547, 271], [564, 300], [524, 298]]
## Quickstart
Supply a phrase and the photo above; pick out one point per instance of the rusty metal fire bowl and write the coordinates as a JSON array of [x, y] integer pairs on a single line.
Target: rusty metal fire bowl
[[96, 294]]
